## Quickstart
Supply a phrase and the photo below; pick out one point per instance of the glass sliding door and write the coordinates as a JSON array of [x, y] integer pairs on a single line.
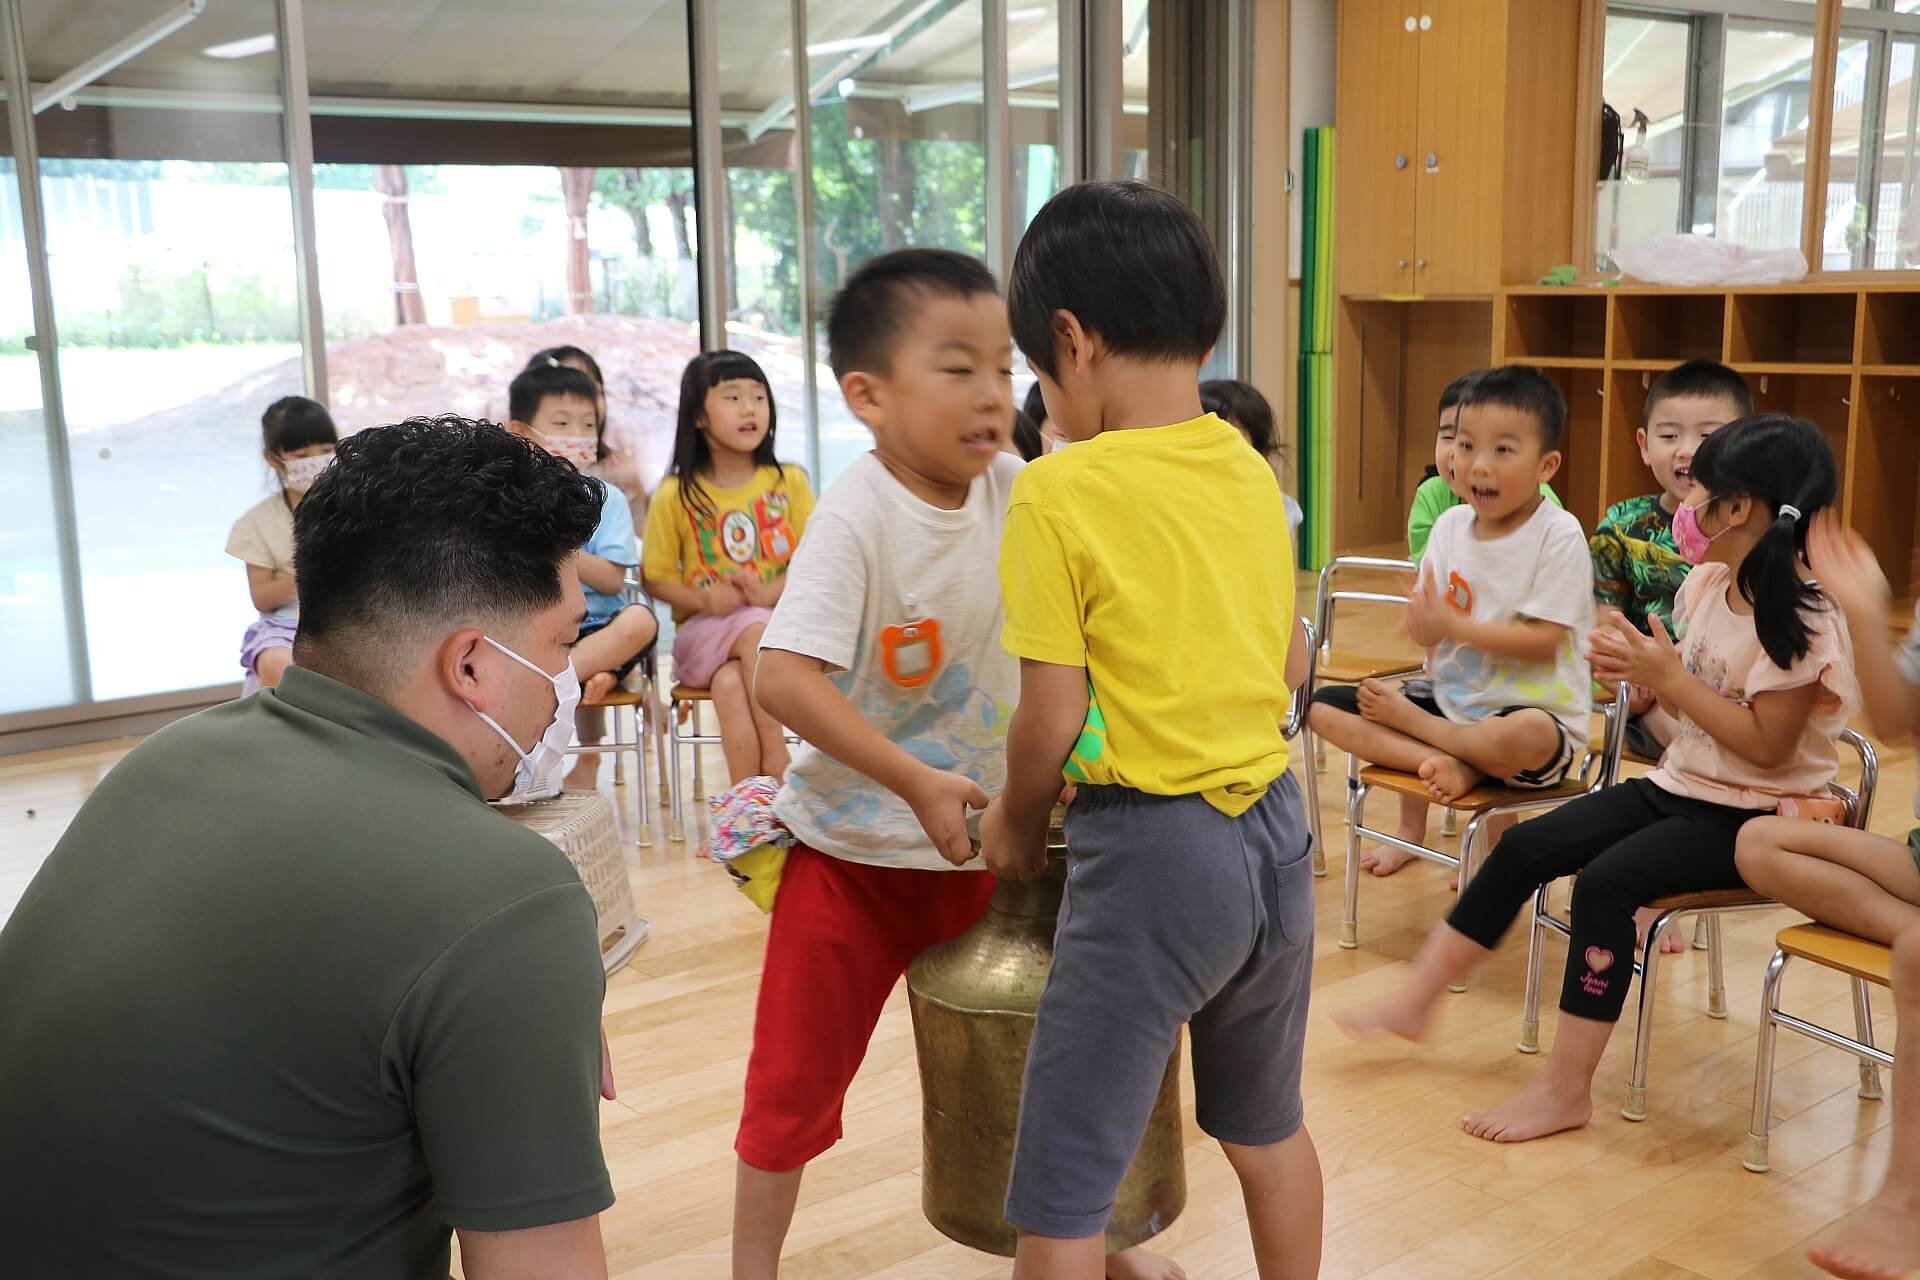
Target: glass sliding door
[[38, 670], [170, 249]]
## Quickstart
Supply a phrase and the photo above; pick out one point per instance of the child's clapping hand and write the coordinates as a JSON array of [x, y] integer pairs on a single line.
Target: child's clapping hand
[[754, 591], [1619, 653], [1429, 620], [722, 598]]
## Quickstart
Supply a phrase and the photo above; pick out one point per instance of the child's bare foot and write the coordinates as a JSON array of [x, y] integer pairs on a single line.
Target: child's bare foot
[[1534, 1112], [1139, 1264], [1388, 704], [1881, 1242], [1402, 1014], [1671, 942], [1447, 779], [597, 686], [1386, 859]]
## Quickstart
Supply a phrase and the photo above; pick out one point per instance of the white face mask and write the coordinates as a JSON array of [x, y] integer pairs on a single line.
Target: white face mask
[[581, 451], [538, 774], [298, 474]]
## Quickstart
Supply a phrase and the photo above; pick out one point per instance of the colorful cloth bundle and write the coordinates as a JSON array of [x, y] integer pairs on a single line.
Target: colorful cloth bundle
[[748, 840]]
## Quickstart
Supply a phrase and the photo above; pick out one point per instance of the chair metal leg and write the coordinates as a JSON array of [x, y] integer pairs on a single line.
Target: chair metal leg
[[1756, 1157], [1636, 1104], [1311, 785], [1863, 1032], [675, 785], [1470, 843], [1700, 939], [1350, 902], [643, 833], [1530, 1007], [1716, 969], [699, 768], [1450, 823], [1319, 756]]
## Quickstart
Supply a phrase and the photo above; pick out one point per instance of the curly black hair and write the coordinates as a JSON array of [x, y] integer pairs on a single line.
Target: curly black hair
[[431, 521]]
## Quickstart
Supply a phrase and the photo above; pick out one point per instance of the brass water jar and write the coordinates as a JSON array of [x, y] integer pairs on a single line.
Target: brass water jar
[[973, 1001]]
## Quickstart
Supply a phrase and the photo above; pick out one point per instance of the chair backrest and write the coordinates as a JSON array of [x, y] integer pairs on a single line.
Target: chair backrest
[[1297, 709], [1329, 595], [1859, 801]]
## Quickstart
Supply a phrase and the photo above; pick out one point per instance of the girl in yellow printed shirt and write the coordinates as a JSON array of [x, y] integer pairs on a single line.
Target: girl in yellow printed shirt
[[722, 527]]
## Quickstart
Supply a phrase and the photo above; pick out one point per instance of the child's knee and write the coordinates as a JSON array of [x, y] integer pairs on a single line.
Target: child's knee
[[638, 625], [1756, 849], [1906, 963], [727, 681]]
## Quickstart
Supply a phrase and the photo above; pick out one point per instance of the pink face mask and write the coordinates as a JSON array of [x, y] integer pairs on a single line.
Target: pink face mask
[[581, 451], [1689, 539]]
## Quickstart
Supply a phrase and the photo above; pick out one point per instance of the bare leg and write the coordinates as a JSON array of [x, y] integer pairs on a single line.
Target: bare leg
[[271, 665], [763, 1204], [1044, 1258], [1849, 879], [738, 740], [1284, 1193], [1373, 743], [773, 739], [1496, 747], [590, 726], [1446, 958], [1140, 1264], [1386, 860], [609, 648], [1561, 1099], [1882, 1241]]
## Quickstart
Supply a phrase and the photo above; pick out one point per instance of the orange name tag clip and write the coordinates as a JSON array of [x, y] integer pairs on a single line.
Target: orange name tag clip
[[910, 652]]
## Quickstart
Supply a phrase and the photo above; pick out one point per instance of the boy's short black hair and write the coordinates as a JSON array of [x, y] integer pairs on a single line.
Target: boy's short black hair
[[867, 317], [538, 383], [1130, 261], [1708, 379], [1524, 388], [1455, 389]]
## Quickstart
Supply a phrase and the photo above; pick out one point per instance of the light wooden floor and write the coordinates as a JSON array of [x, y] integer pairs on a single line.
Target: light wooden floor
[[1408, 1195]]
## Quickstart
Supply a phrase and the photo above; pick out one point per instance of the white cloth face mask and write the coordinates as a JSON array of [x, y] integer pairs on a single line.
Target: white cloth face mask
[[538, 774], [298, 474]]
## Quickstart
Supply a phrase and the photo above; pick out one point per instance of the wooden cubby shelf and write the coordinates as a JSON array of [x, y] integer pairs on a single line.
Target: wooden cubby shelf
[[1844, 356]]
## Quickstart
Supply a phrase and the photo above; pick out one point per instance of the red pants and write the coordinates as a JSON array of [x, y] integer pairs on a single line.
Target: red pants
[[842, 934]]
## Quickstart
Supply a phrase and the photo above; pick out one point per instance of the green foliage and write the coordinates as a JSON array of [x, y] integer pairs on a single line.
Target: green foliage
[[175, 308]]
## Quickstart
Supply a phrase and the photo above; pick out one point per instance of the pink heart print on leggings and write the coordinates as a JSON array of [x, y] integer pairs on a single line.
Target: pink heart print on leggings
[[1599, 960]]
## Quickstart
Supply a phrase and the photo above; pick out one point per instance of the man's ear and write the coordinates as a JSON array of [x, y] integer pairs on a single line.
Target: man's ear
[[456, 662]]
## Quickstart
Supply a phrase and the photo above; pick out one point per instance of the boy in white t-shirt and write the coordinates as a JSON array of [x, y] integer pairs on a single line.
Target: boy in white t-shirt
[[1503, 606], [884, 656]]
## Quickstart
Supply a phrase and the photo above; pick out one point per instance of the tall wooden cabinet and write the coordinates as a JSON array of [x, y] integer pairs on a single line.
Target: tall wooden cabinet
[[1456, 134], [1456, 123]]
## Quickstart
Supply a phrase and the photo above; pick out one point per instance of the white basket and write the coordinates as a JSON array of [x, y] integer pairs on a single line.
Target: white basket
[[581, 824]]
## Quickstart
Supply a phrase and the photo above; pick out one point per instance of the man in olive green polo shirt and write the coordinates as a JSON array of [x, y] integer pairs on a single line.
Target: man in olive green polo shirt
[[289, 998]]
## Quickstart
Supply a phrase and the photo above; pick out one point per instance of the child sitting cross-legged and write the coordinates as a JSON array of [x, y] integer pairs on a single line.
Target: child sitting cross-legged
[[1504, 596], [1759, 687]]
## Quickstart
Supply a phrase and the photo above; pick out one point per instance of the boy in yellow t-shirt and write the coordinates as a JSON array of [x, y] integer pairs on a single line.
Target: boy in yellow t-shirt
[[1148, 591]]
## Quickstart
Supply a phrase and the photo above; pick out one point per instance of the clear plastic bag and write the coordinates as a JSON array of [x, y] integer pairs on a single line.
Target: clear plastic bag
[[1701, 260]]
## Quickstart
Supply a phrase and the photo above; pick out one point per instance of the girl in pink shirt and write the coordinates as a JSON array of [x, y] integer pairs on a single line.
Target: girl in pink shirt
[[1759, 684]]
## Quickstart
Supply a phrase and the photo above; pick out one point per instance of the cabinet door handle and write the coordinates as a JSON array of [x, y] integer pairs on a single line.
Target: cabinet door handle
[[1421, 264], [1400, 161], [1426, 22], [1403, 264], [1413, 24], [1433, 162]]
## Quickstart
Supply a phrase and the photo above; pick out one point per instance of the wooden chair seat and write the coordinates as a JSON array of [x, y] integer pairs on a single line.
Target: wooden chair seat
[[1352, 668], [1855, 957], [617, 698], [1711, 900], [687, 693], [1482, 797]]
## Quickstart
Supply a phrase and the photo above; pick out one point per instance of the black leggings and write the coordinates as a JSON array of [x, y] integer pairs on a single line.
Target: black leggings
[[1630, 843]]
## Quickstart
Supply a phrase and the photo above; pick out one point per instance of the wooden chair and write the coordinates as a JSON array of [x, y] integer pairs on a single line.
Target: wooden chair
[[1598, 769], [1710, 904], [643, 715], [1348, 667], [1863, 962]]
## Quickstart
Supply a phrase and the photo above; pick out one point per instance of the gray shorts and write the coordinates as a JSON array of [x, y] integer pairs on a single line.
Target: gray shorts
[[1174, 914]]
